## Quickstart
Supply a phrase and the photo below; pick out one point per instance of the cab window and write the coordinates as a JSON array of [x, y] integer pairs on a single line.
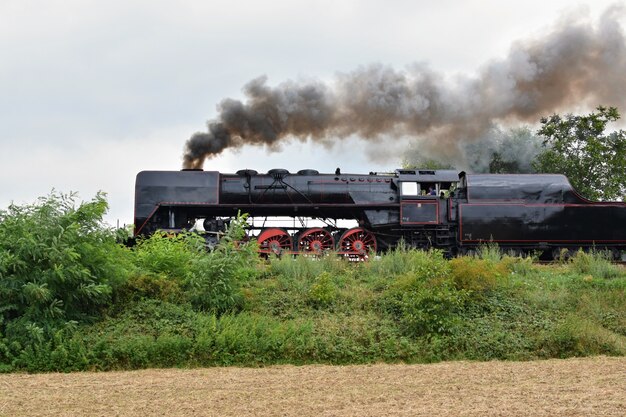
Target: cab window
[[409, 188]]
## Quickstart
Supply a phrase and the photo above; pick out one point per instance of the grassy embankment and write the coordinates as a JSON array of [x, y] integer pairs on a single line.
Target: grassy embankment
[[70, 299]]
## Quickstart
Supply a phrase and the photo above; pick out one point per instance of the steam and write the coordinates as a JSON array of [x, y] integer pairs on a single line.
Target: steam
[[498, 150], [577, 64]]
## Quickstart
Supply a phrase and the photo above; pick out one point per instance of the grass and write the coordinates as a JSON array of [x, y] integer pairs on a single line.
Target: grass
[[406, 306]]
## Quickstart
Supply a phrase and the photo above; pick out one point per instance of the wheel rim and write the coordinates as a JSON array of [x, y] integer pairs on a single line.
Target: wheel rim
[[357, 243], [276, 241], [316, 241]]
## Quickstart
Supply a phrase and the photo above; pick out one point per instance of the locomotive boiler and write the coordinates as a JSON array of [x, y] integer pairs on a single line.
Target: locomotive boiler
[[443, 209]]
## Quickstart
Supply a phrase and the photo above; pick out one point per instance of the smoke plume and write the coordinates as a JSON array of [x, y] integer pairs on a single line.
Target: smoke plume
[[578, 63]]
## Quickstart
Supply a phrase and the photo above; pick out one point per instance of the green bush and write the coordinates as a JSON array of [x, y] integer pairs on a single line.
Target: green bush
[[170, 256], [147, 286], [423, 299], [489, 252], [520, 266], [476, 275], [179, 268], [596, 264], [215, 279], [401, 260], [71, 299], [58, 263], [323, 291], [576, 336]]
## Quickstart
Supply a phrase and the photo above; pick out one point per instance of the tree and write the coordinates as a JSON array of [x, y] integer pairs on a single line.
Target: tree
[[577, 147]]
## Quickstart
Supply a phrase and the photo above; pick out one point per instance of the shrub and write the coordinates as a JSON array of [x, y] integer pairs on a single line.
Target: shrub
[[323, 291], [489, 252], [142, 286], [423, 307], [168, 255], [179, 268], [58, 263], [596, 264], [476, 275], [522, 266], [215, 278], [576, 336], [426, 264]]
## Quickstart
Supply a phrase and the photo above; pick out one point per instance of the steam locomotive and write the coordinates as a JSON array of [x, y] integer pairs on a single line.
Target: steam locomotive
[[444, 209]]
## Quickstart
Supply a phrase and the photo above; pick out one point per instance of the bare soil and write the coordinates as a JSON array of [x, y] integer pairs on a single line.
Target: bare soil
[[572, 387]]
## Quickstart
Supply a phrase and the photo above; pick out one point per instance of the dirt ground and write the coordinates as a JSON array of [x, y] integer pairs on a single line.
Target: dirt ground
[[573, 387]]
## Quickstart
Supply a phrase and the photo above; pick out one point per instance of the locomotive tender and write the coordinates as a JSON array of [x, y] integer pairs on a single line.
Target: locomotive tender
[[442, 209]]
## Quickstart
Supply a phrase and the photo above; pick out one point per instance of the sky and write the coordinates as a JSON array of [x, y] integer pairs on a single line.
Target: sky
[[92, 92]]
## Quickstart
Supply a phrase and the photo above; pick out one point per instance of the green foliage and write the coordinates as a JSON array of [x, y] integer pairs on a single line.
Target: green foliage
[[173, 303], [489, 252], [577, 147], [578, 336], [179, 268], [423, 299], [154, 333], [596, 264], [498, 328], [476, 275], [521, 266], [424, 308], [323, 291], [58, 263], [298, 268], [402, 260], [215, 278], [142, 286], [169, 255]]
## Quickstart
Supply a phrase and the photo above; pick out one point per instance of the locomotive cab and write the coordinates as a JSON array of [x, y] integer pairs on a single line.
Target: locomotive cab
[[418, 184]]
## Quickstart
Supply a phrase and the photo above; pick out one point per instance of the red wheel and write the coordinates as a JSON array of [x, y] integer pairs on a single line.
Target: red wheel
[[274, 240], [357, 243], [316, 241]]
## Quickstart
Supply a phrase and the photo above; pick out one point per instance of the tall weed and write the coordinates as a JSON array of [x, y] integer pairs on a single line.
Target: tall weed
[[489, 252], [424, 305], [577, 336], [477, 275], [401, 260], [179, 268], [597, 264]]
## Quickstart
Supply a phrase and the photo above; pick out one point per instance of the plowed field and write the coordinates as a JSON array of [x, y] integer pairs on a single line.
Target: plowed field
[[573, 387]]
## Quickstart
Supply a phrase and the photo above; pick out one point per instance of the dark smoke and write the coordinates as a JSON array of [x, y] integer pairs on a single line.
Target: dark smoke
[[578, 64]]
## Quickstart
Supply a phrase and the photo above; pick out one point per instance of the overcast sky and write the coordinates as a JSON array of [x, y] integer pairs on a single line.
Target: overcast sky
[[92, 92]]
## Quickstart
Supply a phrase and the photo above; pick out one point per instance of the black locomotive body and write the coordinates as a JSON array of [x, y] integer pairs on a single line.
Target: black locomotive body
[[424, 208]]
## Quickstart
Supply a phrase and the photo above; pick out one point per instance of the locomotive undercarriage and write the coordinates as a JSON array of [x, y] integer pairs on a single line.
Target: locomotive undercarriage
[[548, 252], [354, 242], [295, 235], [275, 237]]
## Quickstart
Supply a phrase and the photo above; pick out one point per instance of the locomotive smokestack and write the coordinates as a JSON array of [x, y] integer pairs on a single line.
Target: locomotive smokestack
[[578, 63]]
